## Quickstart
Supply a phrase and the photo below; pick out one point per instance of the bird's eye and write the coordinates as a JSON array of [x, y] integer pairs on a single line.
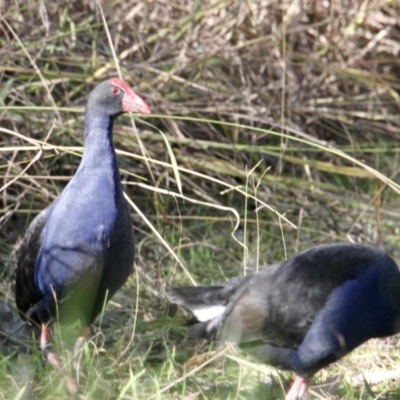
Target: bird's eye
[[114, 90]]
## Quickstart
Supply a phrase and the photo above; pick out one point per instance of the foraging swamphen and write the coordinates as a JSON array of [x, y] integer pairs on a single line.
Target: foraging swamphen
[[79, 251], [303, 313]]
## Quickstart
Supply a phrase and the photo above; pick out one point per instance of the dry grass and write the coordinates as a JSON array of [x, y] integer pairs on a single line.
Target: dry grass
[[279, 116]]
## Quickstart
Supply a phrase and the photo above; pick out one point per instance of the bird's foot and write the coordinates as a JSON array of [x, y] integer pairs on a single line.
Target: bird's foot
[[51, 357], [70, 383], [299, 389]]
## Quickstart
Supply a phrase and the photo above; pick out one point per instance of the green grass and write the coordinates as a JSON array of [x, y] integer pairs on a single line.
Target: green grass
[[274, 128]]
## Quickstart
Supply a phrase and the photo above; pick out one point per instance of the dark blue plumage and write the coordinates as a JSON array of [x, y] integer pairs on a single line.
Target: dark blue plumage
[[303, 313], [79, 250]]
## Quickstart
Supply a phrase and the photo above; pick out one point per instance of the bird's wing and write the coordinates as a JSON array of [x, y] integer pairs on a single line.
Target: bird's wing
[[25, 288]]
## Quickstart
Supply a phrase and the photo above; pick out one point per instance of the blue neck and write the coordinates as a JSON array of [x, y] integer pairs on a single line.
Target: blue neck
[[99, 154]]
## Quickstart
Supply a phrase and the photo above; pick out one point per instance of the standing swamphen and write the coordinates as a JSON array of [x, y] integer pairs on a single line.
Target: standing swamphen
[[79, 251], [303, 313]]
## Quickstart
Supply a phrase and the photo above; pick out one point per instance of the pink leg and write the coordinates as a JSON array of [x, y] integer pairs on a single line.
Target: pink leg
[[299, 389], [51, 357]]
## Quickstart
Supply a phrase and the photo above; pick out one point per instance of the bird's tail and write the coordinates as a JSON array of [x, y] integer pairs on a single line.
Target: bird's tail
[[206, 303]]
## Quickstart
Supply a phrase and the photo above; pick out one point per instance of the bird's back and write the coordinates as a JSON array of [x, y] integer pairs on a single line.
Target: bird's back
[[280, 303]]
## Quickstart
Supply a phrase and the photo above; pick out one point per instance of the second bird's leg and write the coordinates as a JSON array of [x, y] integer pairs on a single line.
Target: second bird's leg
[[299, 389]]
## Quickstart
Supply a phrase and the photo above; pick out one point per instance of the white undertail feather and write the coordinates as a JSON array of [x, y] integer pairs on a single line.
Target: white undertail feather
[[213, 324], [205, 313]]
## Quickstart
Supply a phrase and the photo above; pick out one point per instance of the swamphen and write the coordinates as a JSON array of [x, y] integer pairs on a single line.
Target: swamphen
[[303, 313], [79, 250]]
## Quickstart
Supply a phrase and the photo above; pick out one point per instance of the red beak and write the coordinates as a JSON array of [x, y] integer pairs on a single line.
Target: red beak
[[132, 102]]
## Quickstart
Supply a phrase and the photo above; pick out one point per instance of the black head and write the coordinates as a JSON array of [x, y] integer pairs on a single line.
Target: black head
[[114, 97]]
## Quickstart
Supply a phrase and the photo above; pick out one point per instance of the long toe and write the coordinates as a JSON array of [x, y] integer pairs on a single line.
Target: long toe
[[299, 389]]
